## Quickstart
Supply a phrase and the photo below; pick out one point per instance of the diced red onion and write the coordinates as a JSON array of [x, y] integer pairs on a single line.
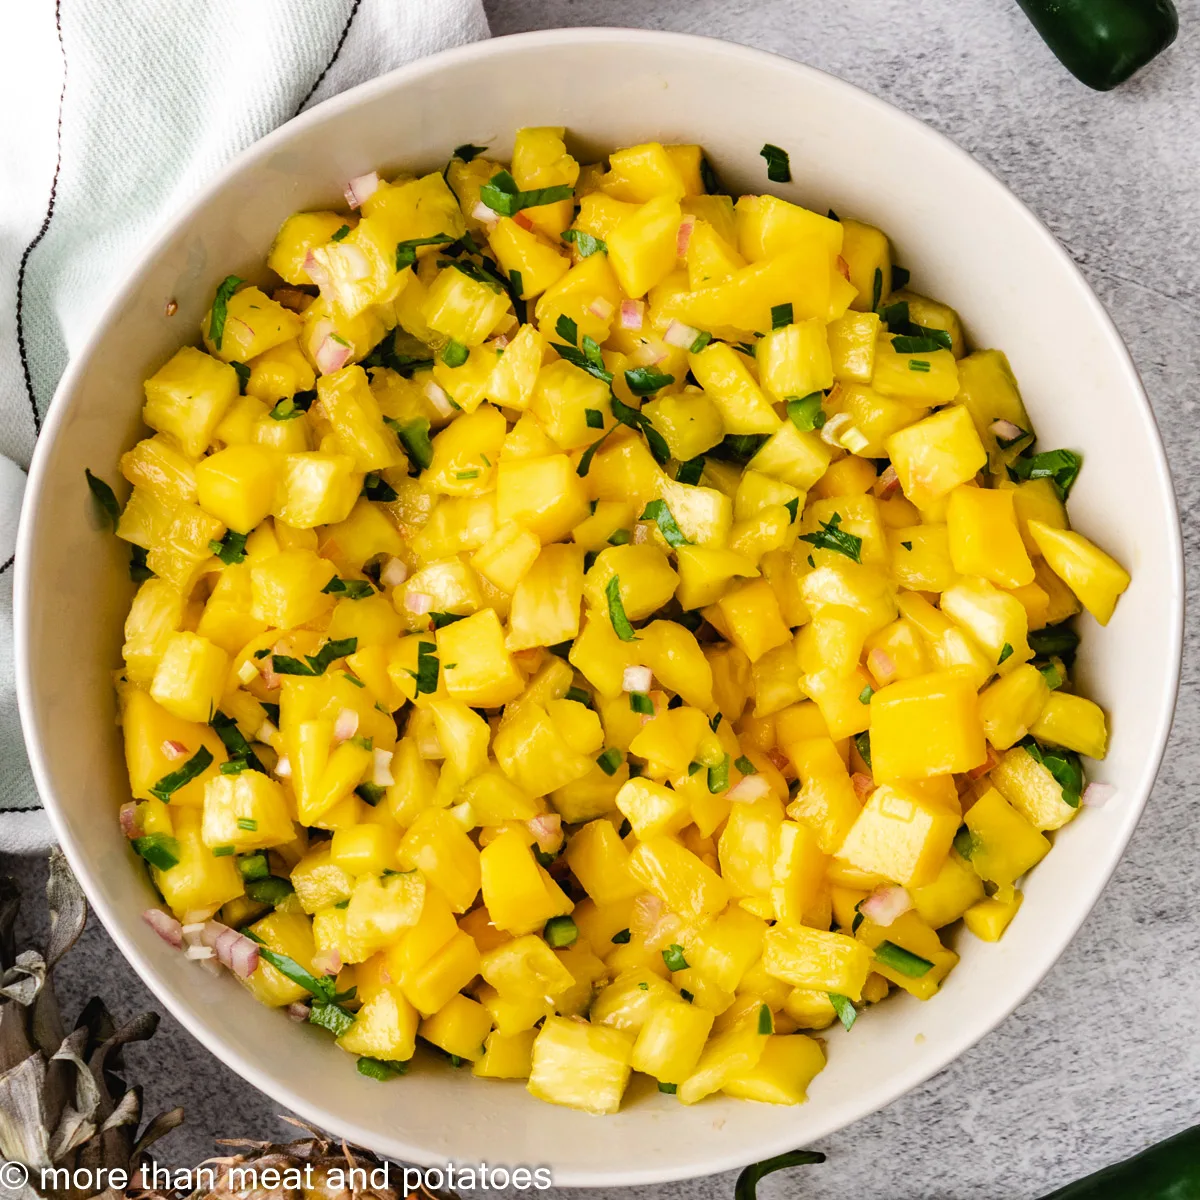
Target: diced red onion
[[174, 749], [381, 769], [637, 679], [317, 273], [881, 664], [681, 335], [345, 726], [684, 236], [649, 354], [885, 904], [631, 314], [499, 342], [327, 962], [887, 483], [831, 431], [481, 212], [748, 789], [394, 572], [602, 307], [863, 785], [361, 188], [523, 220], [243, 957], [266, 668], [1097, 795], [1006, 430], [233, 950], [230, 321], [193, 930], [332, 355], [547, 831], [199, 952], [299, 1011], [283, 768], [439, 398], [129, 822], [418, 603], [165, 925]]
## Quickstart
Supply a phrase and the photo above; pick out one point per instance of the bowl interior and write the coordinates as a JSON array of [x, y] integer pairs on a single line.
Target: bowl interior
[[966, 240]]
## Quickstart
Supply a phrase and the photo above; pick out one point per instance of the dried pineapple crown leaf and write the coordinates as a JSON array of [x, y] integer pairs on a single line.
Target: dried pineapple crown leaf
[[62, 1101]]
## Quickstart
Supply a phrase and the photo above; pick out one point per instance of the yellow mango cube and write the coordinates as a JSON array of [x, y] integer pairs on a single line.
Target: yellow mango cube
[[521, 250], [1074, 722], [1009, 707], [289, 934], [1092, 575], [852, 341], [783, 1072], [652, 809], [641, 248], [988, 919], [926, 726], [436, 845], [385, 1027], [1003, 844], [794, 360], [546, 603], [937, 454], [908, 933], [518, 893], [751, 615], [956, 887], [525, 967], [544, 495], [868, 258], [459, 1027], [670, 1043], [728, 383], [826, 802], [288, 589], [984, 537], [237, 485], [434, 983], [478, 667], [506, 1056]]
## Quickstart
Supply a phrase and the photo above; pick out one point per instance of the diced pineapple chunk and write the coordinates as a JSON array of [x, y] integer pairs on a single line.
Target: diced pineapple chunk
[[580, 1065]]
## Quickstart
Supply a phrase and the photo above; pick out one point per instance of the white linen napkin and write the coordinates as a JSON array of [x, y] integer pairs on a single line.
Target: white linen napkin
[[115, 115]]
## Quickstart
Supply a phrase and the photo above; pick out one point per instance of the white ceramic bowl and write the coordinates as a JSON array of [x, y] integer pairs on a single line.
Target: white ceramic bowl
[[967, 240]]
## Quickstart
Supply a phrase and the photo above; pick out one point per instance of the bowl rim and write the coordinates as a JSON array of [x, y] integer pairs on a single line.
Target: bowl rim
[[953, 1045]]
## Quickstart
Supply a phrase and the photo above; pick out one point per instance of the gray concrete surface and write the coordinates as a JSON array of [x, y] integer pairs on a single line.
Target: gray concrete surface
[[1105, 1057]]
